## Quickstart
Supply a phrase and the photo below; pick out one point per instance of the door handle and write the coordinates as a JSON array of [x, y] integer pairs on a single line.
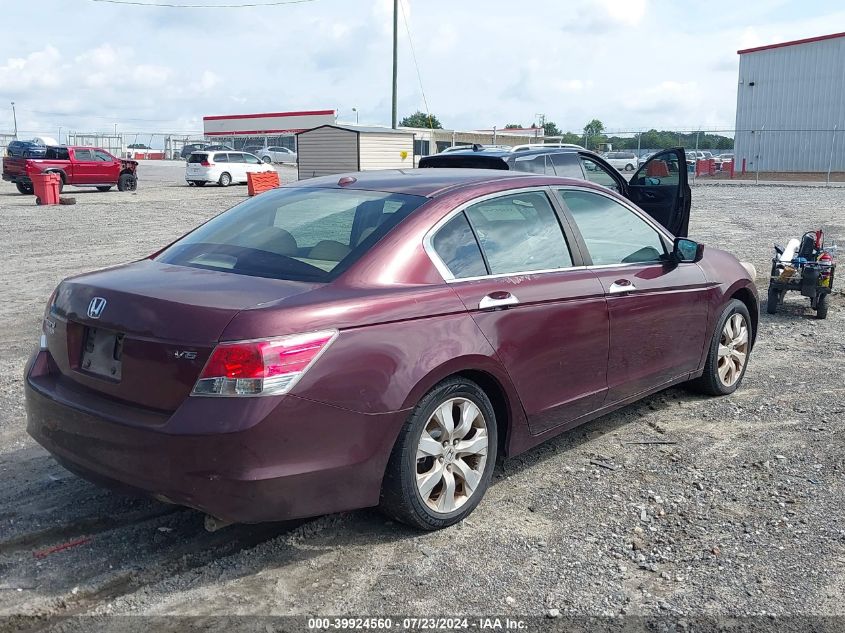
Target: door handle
[[621, 286], [494, 300]]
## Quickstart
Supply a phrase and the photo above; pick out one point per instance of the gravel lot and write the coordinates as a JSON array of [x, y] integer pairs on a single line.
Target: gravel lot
[[740, 509]]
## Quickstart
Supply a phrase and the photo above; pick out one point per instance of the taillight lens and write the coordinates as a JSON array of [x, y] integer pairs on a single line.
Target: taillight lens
[[261, 368], [205, 163]]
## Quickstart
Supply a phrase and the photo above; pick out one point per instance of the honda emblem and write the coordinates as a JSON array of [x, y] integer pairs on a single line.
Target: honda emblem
[[96, 307]]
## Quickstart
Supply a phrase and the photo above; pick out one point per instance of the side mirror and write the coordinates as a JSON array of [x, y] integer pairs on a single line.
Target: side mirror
[[685, 250]]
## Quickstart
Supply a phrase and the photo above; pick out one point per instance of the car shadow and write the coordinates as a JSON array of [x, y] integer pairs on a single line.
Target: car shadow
[[114, 545]]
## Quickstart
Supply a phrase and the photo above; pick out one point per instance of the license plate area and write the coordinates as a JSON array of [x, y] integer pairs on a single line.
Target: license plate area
[[101, 353]]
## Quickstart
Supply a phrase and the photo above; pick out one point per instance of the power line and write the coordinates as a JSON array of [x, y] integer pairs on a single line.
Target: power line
[[416, 65], [170, 5]]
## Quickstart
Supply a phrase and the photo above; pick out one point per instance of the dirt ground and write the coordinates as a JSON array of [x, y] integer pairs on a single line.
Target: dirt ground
[[740, 509]]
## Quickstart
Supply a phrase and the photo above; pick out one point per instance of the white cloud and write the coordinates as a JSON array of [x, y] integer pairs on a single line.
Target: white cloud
[[630, 63]]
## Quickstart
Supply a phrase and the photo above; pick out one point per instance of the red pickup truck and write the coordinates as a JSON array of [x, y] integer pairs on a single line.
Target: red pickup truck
[[78, 166]]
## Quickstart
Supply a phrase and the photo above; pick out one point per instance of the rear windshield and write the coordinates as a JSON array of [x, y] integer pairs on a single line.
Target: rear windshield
[[197, 158], [300, 234]]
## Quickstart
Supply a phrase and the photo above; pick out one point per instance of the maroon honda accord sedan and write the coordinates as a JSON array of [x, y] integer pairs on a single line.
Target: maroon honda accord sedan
[[379, 339]]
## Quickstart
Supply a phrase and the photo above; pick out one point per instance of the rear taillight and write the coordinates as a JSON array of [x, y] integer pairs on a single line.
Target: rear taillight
[[205, 163], [261, 368]]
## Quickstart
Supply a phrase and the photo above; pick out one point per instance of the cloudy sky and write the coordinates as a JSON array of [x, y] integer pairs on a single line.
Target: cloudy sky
[[634, 64]]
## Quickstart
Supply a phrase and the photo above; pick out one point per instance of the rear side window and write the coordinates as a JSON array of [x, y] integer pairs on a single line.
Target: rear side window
[[56, 153], [519, 233], [223, 157], [197, 158], [300, 234], [456, 246]]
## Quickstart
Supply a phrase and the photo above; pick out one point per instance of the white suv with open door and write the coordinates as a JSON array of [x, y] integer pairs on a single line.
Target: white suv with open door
[[224, 168]]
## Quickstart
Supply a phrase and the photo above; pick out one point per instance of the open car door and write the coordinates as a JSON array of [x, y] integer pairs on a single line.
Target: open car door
[[660, 187]]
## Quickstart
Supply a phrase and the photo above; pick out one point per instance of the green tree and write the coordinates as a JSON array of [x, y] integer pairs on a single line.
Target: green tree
[[513, 126], [550, 129], [421, 119], [594, 128]]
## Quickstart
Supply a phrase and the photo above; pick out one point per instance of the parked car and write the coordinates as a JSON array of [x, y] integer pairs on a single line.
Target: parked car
[[622, 160], [224, 168], [575, 163], [190, 148], [277, 154], [379, 338], [26, 149], [219, 148], [77, 166]]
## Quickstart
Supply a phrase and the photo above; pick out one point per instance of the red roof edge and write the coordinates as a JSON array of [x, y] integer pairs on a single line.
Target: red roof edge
[[792, 43], [266, 114]]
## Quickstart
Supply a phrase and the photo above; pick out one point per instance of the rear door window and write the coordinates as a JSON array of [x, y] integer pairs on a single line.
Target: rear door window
[[83, 154], [598, 174], [519, 233], [533, 164], [222, 157], [567, 165]]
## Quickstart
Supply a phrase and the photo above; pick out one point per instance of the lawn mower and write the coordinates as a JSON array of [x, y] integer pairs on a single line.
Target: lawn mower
[[806, 266]]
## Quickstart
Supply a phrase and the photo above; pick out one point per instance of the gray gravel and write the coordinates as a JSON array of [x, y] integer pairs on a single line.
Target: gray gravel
[[740, 509]]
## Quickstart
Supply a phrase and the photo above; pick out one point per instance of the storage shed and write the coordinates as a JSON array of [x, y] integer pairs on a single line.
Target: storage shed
[[334, 149]]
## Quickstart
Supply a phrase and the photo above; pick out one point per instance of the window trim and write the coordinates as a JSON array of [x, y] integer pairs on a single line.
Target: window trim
[[667, 238], [563, 222]]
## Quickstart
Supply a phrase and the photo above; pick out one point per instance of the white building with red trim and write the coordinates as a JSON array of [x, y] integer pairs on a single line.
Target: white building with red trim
[[269, 128]]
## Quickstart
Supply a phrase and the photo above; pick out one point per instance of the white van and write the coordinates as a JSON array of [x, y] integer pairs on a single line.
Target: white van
[[224, 168]]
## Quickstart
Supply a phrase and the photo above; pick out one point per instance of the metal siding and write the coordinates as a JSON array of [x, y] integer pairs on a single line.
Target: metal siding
[[787, 118], [325, 151], [383, 151]]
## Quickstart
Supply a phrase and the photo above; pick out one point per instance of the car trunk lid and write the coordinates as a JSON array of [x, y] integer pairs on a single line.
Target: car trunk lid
[[141, 333]]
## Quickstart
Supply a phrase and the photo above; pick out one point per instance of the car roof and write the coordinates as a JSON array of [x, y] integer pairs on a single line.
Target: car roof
[[508, 153], [429, 182]]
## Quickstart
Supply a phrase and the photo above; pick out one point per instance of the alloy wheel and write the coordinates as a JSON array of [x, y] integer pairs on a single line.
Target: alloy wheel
[[451, 455], [733, 349]]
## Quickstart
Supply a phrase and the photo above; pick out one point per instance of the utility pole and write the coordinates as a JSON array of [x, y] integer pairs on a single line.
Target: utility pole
[[395, 58], [15, 119]]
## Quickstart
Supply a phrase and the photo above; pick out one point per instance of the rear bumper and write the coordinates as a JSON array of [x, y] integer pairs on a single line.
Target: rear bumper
[[300, 459]]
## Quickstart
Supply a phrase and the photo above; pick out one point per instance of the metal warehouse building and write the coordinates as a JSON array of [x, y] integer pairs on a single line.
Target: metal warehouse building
[[790, 107]]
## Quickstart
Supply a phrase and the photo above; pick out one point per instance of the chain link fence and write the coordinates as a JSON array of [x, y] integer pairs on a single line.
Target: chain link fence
[[758, 155]]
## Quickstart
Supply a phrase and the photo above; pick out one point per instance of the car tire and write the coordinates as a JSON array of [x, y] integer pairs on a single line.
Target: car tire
[[104, 188], [727, 355], [127, 182], [425, 442], [267, 159], [225, 179], [25, 189], [775, 298], [629, 167], [821, 306]]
